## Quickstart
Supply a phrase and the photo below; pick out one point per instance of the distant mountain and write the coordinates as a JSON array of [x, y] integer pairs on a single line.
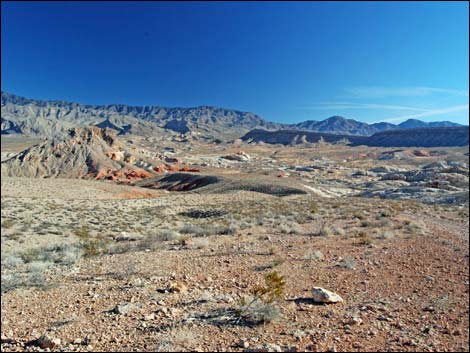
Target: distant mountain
[[32, 117], [340, 125], [336, 125], [419, 137], [412, 124], [383, 126], [415, 123], [45, 118]]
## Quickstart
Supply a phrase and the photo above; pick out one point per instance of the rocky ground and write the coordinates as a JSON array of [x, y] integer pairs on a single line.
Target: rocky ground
[[93, 265]]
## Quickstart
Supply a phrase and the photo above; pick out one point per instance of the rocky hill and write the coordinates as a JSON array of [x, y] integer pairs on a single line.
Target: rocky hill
[[81, 153], [422, 137]]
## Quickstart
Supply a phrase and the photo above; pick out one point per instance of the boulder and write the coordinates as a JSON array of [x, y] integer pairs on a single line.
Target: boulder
[[322, 295]]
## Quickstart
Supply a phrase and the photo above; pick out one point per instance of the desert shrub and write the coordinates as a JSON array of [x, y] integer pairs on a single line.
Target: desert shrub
[[260, 307], [10, 261], [121, 248], [200, 243], [278, 261], [167, 235], [413, 228], [10, 282], [245, 224], [82, 233], [95, 246], [91, 245], [150, 242], [339, 231], [387, 235], [231, 229], [191, 229], [364, 239], [272, 250], [385, 213], [384, 222], [359, 215], [313, 207], [324, 230], [290, 228], [64, 254], [257, 312], [8, 223], [347, 263], [33, 277], [39, 266], [206, 230], [314, 255]]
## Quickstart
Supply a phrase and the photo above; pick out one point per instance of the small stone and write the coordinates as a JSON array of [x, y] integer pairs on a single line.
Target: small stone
[[149, 317], [47, 342], [355, 320], [123, 309], [243, 343], [271, 347], [321, 295], [177, 287]]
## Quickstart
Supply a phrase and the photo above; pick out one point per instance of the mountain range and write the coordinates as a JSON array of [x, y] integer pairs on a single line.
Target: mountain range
[[30, 117], [340, 125]]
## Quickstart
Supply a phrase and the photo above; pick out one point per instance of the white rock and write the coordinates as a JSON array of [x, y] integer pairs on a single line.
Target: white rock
[[322, 295]]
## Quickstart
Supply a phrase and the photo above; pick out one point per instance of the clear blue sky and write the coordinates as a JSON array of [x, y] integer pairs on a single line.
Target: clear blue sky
[[284, 61]]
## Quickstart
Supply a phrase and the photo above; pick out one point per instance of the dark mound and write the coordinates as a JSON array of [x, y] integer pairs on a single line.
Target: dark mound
[[217, 184]]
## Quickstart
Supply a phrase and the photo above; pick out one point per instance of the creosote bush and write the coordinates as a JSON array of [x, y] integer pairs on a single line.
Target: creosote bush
[[91, 245]]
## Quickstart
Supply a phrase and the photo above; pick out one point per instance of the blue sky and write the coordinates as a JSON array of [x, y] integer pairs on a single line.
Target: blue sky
[[286, 61]]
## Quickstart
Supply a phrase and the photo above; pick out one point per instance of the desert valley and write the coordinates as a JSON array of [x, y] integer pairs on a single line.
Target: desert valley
[[208, 229]]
